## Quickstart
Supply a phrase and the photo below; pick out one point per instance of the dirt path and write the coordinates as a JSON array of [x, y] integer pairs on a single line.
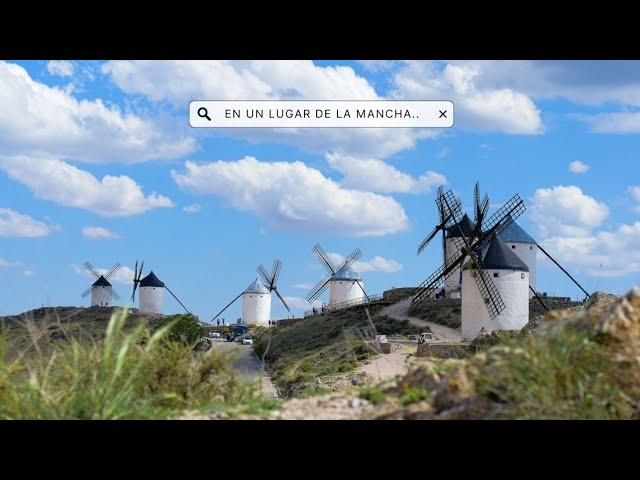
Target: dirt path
[[441, 333], [383, 367]]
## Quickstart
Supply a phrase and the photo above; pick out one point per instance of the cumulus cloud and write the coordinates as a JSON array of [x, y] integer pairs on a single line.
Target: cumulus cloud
[[566, 211], [123, 276], [14, 224], [478, 106], [97, 233], [606, 253], [36, 119], [294, 197], [378, 176], [376, 264], [193, 208], [578, 167], [179, 82], [28, 273], [60, 68], [62, 183]]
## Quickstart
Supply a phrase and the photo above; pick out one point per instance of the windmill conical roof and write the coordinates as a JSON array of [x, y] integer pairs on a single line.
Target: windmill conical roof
[[101, 282], [346, 272], [151, 281], [256, 287], [500, 257], [514, 233], [465, 224]]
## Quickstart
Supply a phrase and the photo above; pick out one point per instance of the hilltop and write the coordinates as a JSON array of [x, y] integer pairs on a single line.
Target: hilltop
[[49, 325]]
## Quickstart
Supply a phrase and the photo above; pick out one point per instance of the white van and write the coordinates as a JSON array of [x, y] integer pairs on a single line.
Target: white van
[[425, 337]]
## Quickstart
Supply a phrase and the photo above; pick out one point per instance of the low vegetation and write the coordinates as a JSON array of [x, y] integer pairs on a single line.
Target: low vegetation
[[447, 315], [322, 346], [132, 372], [580, 364]]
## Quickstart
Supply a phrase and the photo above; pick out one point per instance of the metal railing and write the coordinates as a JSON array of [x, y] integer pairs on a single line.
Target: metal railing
[[349, 303]]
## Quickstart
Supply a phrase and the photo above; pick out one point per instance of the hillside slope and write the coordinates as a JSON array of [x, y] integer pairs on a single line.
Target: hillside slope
[[41, 328], [305, 357]]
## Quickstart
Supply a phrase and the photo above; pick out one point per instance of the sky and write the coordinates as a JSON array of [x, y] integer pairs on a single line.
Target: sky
[[98, 163]]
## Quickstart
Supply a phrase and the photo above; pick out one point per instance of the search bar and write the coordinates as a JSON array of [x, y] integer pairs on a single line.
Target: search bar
[[321, 114]]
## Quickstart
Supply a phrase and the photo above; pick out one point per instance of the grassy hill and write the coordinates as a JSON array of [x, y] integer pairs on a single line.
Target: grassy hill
[[42, 328], [322, 346]]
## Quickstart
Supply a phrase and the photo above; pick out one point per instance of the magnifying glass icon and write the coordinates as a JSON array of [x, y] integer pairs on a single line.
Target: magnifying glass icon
[[204, 113]]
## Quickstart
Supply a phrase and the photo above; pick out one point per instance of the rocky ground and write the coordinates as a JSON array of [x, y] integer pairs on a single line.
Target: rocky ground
[[579, 363]]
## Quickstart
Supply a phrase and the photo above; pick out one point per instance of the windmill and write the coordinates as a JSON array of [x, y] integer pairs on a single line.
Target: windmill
[[343, 279], [151, 291], [271, 280], [443, 219], [101, 291], [471, 245], [256, 301]]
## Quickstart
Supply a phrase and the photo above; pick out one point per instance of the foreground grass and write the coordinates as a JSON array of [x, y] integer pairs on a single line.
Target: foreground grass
[[322, 346], [135, 374], [572, 371]]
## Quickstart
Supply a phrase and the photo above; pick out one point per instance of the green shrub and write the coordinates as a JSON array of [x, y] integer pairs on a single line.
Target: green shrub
[[128, 375]]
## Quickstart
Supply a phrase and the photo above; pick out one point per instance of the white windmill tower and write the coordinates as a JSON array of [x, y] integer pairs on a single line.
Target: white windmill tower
[[525, 247], [102, 293], [344, 282], [151, 292], [256, 298], [509, 276]]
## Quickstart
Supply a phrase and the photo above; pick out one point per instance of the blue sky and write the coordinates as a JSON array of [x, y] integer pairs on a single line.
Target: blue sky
[[98, 163]]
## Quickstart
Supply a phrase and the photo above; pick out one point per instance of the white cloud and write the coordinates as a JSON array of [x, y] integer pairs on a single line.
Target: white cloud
[[578, 167], [376, 264], [28, 273], [587, 82], [303, 286], [634, 192], [612, 123], [96, 233], [300, 303], [294, 197], [123, 276], [36, 119], [14, 224], [377, 176], [7, 264], [193, 208], [478, 106], [65, 184], [606, 253], [179, 82], [61, 68], [566, 211], [375, 66]]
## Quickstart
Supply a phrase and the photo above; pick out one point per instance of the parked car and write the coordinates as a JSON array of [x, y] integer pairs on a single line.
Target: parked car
[[425, 337], [214, 334], [247, 341]]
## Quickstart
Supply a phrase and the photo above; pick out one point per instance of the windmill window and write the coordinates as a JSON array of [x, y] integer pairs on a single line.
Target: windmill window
[[522, 275], [530, 248], [495, 274], [513, 246]]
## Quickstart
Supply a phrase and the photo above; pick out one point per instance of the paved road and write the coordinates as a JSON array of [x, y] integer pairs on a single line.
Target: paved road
[[247, 364]]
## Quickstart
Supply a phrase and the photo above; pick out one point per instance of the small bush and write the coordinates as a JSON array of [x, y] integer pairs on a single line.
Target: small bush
[[128, 375]]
